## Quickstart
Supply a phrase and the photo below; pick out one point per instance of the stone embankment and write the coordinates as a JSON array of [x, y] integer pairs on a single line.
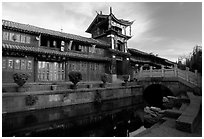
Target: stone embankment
[[183, 122]]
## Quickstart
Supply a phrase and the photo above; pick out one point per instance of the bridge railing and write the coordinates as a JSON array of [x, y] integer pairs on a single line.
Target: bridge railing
[[191, 77]]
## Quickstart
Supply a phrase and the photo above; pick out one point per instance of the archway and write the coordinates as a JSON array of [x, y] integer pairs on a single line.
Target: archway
[[154, 93]]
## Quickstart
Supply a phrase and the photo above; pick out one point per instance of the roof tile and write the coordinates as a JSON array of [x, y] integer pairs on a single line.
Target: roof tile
[[31, 28]]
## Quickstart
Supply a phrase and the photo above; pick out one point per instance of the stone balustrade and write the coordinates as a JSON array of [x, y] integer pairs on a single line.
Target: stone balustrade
[[191, 77]]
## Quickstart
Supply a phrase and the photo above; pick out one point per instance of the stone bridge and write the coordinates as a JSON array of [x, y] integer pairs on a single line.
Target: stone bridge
[[164, 82]]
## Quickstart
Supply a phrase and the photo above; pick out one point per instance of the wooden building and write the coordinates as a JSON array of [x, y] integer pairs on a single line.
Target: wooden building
[[48, 56]]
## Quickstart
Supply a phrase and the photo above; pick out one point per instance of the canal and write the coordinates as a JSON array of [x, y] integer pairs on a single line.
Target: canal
[[107, 119]]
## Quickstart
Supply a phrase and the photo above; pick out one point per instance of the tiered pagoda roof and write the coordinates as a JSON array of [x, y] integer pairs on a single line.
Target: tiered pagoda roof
[[102, 16]]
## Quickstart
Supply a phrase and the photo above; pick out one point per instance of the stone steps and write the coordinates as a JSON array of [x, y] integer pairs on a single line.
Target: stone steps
[[189, 118]]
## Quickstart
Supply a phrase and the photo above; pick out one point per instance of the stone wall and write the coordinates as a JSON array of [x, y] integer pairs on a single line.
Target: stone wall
[[24, 101]]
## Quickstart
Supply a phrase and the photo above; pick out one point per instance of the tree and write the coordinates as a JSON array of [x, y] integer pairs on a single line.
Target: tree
[[195, 63], [192, 60]]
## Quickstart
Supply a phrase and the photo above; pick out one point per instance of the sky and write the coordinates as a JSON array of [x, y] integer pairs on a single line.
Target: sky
[[169, 29]]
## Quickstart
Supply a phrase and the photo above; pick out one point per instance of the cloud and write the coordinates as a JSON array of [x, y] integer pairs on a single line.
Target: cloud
[[169, 49], [167, 29]]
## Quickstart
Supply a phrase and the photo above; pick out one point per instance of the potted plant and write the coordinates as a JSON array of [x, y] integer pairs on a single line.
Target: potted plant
[[20, 79], [125, 79], [104, 79], [75, 77]]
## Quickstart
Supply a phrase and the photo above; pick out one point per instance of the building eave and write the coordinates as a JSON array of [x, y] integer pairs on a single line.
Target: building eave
[[119, 53], [92, 23], [123, 22], [39, 50]]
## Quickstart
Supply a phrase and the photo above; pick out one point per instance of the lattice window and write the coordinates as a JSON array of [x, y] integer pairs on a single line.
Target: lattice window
[[5, 35], [23, 64]]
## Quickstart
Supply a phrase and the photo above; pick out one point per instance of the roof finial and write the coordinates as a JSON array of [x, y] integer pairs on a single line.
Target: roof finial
[[97, 12], [110, 10]]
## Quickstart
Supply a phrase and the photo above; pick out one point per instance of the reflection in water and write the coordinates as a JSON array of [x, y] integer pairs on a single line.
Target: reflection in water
[[111, 118], [30, 119]]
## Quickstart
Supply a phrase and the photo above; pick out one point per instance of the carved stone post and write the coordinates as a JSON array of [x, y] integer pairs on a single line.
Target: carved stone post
[[196, 76], [162, 70], [196, 73], [141, 68], [187, 70], [151, 71], [140, 72], [175, 70]]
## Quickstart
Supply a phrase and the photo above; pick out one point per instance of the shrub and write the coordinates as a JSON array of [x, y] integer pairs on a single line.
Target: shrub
[[75, 77], [20, 78], [125, 78], [104, 78]]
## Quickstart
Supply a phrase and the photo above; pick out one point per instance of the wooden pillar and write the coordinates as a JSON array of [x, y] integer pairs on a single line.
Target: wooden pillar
[[124, 31], [125, 46], [70, 45], [66, 71], [112, 42], [93, 48], [113, 65], [39, 41], [35, 69], [113, 69]]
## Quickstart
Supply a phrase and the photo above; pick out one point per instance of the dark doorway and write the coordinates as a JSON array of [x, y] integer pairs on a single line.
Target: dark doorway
[[119, 67], [154, 93]]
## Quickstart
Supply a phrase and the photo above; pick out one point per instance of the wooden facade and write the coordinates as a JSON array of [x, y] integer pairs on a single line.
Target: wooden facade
[[49, 56]]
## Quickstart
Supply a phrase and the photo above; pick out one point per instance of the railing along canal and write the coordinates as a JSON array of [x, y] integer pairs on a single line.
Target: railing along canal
[[192, 77]]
